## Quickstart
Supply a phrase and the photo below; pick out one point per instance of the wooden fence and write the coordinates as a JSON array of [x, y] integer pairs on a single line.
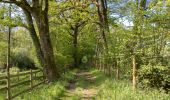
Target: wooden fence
[[32, 77]]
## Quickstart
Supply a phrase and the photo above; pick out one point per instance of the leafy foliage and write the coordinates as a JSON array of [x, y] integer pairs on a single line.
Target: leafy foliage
[[137, 28], [154, 76], [22, 61]]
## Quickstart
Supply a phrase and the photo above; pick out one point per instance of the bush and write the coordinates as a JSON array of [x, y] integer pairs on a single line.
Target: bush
[[22, 61], [154, 76], [63, 61]]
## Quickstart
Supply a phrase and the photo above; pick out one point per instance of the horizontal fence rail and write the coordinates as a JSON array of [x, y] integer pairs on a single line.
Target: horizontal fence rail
[[32, 76]]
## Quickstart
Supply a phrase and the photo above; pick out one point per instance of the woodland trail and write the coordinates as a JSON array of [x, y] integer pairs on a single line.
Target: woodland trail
[[81, 87]]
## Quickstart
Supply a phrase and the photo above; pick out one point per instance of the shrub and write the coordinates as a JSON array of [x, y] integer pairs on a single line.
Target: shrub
[[63, 62], [84, 60], [154, 76], [22, 61]]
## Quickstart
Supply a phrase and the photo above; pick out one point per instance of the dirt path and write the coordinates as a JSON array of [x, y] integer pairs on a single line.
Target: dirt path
[[81, 88]]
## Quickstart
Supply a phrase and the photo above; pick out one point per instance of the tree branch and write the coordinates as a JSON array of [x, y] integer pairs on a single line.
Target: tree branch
[[23, 3], [11, 1]]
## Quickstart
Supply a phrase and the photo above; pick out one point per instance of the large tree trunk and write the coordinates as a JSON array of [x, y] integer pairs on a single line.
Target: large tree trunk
[[34, 37], [46, 45]]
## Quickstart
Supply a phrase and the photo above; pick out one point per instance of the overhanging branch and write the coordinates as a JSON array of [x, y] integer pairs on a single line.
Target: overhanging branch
[[22, 4]]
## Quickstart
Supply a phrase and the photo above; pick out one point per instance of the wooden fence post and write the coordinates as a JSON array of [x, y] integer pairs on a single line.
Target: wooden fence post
[[31, 79], [8, 86], [43, 75], [35, 75], [18, 75]]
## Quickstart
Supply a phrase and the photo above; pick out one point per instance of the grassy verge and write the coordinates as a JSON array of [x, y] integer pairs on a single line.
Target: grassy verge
[[49, 91], [16, 80], [111, 89]]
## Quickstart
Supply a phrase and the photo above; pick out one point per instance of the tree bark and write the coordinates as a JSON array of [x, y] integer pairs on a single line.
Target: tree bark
[[34, 37], [46, 45], [117, 69], [104, 28], [102, 15], [134, 74], [75, 36]]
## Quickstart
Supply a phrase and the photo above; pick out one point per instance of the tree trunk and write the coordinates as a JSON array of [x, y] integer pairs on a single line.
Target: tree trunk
[[104, 28], [75, 36], [41, 18], [134, 72], [52, 72], [117, 69], [102, 15], [34, 37]]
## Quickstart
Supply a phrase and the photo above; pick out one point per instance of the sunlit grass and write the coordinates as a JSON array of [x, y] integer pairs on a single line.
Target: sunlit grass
[[108, 88], [49, 91], [16, 80], [112, 89]]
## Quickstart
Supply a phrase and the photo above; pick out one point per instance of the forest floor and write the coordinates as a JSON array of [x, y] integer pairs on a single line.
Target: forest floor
[[83, 86]]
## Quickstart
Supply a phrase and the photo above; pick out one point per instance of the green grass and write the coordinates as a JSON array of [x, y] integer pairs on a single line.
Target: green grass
[[49, 91], [108, 88], [15, 80], [122, 90], [112, 89]]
